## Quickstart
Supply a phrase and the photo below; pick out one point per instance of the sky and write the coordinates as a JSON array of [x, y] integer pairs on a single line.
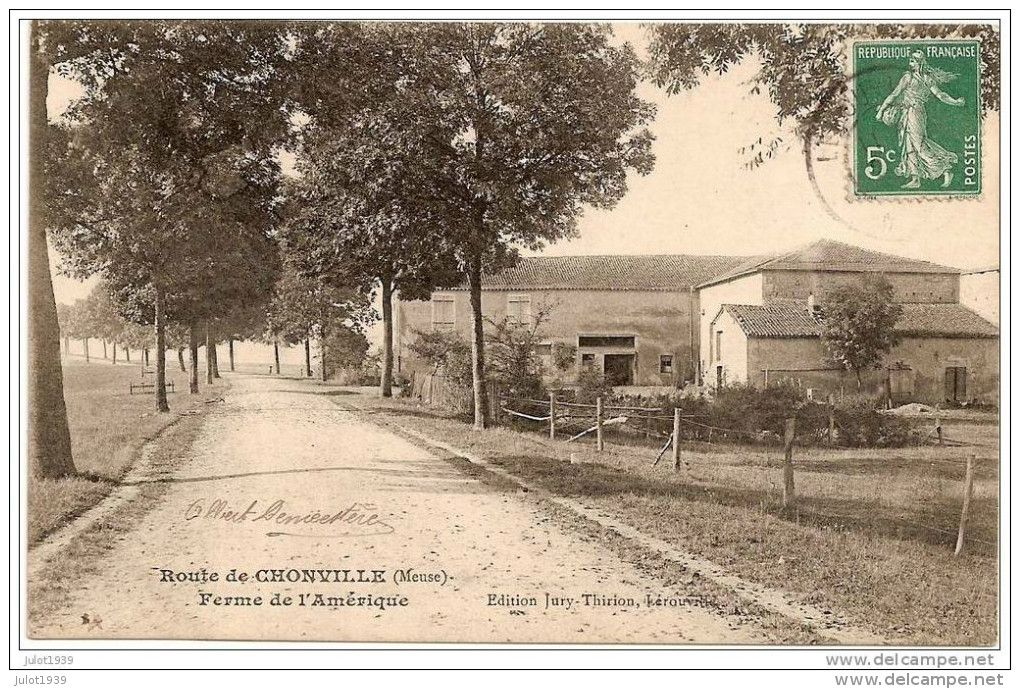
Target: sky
[[701, 199]]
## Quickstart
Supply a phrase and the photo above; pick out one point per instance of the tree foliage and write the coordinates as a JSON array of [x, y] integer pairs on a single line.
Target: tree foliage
[[166, 180], [802, 66], [306, 306], [526, 124], [360, 212], [859, 324]]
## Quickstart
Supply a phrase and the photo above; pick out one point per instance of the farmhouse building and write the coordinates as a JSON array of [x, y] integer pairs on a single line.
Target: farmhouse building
[[633, 317], [760, 324], [714, 320]]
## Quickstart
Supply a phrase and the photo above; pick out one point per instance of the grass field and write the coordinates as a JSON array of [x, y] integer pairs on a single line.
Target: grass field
[[871, 536], [108, 428]]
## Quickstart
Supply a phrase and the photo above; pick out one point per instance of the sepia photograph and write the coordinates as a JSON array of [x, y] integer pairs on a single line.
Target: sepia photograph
[[560, 332]]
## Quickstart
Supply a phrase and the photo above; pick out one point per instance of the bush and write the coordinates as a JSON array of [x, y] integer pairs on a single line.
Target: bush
[[750, 414], [861, 425], [564, 356], [592, 384]]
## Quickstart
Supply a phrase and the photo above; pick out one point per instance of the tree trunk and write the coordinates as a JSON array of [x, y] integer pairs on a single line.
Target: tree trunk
[[193, 353], [87, 351], [114, 353], [209, 346], [180, 358], [161, 402], [49, 440], [145, 355], [386, 384], [276, 355], [127, 354], [477, 341], [104, 349], [230, 349], [322, 351], [215, 359], [308, 357]]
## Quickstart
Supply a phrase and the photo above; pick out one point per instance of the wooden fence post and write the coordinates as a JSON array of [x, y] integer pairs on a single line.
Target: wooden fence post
[[676, 439], [788, 491], [938, 423], [552, 416], [599, 444], [832, 421], [968, 490]]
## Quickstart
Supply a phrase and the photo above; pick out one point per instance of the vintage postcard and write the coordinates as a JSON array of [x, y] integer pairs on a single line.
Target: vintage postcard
[[533, 332]]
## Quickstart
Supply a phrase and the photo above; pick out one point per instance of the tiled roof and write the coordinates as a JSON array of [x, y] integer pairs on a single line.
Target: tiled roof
[[830, 255], [653, 273], [778, 319], [790, 319], [944, 320]]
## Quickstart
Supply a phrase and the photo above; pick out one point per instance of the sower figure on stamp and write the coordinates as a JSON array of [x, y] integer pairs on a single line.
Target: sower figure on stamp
[[920, 157]]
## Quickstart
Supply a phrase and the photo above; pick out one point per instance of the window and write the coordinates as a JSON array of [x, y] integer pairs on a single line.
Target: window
[[444, 312], [665, 363], [587, 361], [718, 345], [518, 308], [625, 341]]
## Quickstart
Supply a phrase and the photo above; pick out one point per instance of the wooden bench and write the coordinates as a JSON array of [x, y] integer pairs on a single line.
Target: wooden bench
[[143, 387]]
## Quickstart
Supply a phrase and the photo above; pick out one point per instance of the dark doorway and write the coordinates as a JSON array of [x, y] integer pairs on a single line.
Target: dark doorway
[[619, 369], [718, 377], [956, 384]]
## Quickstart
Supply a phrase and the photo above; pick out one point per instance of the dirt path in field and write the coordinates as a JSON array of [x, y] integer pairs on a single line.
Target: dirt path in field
[[281, 481]]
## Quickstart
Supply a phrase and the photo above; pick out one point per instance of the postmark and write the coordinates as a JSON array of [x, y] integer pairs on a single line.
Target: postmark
[[917, 128]]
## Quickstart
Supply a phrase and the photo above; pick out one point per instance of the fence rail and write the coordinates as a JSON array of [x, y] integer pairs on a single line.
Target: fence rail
[[581, 420]]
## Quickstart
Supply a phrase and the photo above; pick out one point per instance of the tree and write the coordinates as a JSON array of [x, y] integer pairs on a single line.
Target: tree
[[859, 324], [65, 314], [79, 323], [168, 181], [346, 349], [248, 323], [802, 66], [104, 320], [49, 438], [356, 222], [525, 124], [306, 306], [359, 216]]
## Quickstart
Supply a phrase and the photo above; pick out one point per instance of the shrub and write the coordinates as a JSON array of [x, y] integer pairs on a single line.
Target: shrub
[[592, 384], [861, 425], [511, 358], [564, 356]]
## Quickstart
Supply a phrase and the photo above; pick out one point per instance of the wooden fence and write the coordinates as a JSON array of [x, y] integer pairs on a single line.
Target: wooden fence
[[438, 391], [570, 421]]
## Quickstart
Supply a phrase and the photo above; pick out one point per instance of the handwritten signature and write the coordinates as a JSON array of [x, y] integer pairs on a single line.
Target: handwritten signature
[[362, 516]]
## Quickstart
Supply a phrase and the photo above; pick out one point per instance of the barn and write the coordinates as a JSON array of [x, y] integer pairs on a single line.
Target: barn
[[671, 320]]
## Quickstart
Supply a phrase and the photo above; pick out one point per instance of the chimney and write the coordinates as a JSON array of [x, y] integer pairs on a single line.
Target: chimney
[[811, 303]]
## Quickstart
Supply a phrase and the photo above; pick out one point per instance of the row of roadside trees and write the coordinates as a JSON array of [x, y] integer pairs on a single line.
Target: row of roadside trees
[[425, 155], [299, 311]]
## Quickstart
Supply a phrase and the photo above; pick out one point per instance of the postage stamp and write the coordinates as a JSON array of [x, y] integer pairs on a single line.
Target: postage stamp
[[918, 118]]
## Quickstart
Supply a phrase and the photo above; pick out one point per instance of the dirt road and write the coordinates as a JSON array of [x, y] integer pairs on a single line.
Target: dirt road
[[323, 515]]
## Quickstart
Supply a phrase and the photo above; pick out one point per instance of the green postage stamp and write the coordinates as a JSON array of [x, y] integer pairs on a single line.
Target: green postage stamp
[[917, 129]]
